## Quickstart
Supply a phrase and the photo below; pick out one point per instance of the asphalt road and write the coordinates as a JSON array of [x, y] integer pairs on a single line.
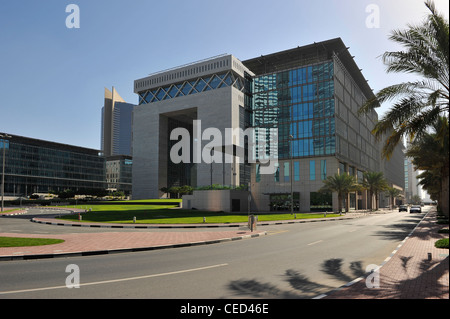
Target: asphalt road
[[292, 261]]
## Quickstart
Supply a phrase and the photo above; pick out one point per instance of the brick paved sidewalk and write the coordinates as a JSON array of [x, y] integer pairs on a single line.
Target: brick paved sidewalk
[[102, 243], [408, 274]]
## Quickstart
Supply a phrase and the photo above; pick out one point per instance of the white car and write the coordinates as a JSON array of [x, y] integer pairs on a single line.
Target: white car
[[415, 209]]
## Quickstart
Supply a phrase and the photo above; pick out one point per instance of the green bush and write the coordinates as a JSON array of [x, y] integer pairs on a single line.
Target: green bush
[[441, 243]]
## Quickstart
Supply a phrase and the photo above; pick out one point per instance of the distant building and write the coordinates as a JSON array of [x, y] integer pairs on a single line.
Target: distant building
[[116, 125], [37, 166], [118, 173], [412, 187]]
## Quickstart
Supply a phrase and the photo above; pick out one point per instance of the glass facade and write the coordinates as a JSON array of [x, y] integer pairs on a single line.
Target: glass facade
[[34, 166], [201, 84], [300, 103], [119, 173], [312, 170]]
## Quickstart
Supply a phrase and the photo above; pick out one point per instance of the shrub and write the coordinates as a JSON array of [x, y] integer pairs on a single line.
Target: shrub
[[441, 243]]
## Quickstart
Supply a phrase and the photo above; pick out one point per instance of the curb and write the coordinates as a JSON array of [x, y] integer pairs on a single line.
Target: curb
[[127, 250], [175, 226], [19, 212], [354, 281]]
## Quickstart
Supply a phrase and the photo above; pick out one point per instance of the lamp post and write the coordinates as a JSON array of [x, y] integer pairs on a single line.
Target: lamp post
[[3, 136]]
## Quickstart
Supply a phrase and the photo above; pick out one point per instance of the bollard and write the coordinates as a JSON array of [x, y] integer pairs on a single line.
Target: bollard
[[252, 222], [134, 219], [204, 219], [325, 215], [295, 216]]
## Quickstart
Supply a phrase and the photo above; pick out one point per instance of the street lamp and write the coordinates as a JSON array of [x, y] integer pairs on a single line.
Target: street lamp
[[3, 136]]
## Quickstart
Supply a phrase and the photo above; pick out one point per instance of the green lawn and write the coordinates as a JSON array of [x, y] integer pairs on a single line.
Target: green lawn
[[10, 210], [22, 242], [165, 214]]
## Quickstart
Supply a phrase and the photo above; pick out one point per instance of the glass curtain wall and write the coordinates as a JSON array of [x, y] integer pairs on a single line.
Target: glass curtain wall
[[32, 168], [300, 103]]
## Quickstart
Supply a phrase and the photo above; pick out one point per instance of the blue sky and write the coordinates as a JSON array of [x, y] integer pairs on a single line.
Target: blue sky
[[52, 78]]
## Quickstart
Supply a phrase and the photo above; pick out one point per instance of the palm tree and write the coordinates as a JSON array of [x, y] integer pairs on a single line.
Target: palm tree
[[374, 182], [342, 185], [418, 104], [430, 153], [165, 190], [432, 183], [393, 193]]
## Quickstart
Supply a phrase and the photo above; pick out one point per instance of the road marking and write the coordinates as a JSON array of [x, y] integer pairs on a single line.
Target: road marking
[[316, 242], [277, 232], [115, 280]]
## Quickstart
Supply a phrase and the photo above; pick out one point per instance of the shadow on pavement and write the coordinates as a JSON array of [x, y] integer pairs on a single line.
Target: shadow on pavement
[[302, 286]]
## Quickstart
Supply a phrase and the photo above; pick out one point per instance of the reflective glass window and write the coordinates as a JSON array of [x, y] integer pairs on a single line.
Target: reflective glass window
[[215, 82], [173, 91], [160, 94], [323, 169], [286, 172], [312, 170], [200, 85], [296, 171], [186, 88]]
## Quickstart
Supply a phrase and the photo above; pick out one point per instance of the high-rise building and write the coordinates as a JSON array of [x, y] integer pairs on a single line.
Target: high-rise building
[[310, 95], [116, 125]]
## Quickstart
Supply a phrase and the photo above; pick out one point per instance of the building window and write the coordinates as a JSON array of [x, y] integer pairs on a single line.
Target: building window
[[277, 172], [286, 172], [342, 169], [312, 170], [296, 171], [258, 174], [323, 169]]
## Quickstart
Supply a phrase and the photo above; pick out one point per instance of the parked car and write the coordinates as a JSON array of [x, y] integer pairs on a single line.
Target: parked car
[[415, 209], [403, 208]]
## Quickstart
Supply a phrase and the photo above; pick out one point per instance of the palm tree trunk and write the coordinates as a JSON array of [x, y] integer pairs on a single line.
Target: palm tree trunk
[[339, 202], [445, 190], [371, 200]]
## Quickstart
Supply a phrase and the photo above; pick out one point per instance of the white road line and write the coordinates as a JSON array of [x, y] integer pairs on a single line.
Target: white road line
[[316, 242], [114, 280]]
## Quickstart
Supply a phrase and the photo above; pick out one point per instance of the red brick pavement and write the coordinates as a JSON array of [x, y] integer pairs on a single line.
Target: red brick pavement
[[74, 243], [408, 274]]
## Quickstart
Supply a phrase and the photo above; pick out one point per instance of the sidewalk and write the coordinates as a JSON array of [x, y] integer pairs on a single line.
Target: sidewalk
[[117, 242], [108, 243], [407, 273]]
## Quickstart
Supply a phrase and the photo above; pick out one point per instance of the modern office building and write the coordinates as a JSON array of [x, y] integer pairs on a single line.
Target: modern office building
[[116, 125], [211, 91], [118, 173], [310, 95], [37, 166], [412, 187]]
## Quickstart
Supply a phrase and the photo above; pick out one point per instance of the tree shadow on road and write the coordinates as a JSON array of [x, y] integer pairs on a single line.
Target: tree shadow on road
[[400, 230], [301, 286]]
